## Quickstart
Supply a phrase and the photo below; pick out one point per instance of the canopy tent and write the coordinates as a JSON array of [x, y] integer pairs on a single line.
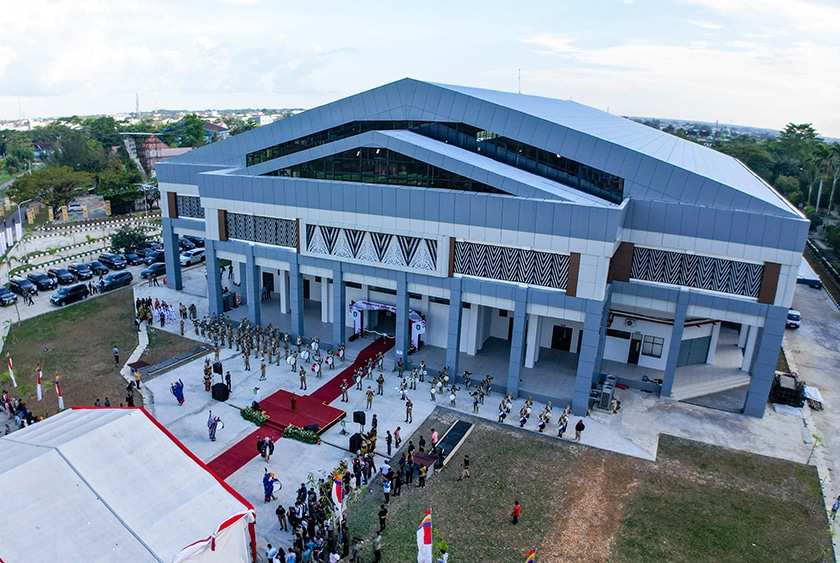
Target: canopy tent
[[107, 484], [418, 323]]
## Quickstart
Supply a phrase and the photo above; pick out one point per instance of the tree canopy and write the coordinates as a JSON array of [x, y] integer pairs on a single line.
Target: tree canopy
[[54, 185]]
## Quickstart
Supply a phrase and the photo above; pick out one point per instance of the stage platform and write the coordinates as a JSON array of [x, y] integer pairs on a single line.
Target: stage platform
[[308, 410]]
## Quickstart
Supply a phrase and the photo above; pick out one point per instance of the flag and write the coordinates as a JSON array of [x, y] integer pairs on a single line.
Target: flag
[[531, 556], [11, 369], [338, 493], [58, 392], [40, 392], [424, 539]]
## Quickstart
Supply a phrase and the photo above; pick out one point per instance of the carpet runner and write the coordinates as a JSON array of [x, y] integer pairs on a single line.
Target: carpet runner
[[309, 409]]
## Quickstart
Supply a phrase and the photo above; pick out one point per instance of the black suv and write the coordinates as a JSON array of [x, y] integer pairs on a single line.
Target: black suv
[[62, 275], [132, 258], [42, 281], [185, 243], [22, 286], [98, 268], [115, 280], [113, 261], [154, 257], [81, 271], [158, 269], [198, 241], [6, 296], [70, 294]]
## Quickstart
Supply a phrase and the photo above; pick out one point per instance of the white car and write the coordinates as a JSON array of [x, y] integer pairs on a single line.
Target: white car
[[193, 256], [74, 208], [794, 318]]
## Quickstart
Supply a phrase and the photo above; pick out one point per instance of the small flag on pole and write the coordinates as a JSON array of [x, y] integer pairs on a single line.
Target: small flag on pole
[[58, 392], [531, 556], [40, 390], [11, 369], [424, 539]]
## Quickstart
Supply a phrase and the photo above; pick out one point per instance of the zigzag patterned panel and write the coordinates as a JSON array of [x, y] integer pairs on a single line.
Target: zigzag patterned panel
[[266, 230], [379, 248], [189, 206], [701, 272], [519, 265]]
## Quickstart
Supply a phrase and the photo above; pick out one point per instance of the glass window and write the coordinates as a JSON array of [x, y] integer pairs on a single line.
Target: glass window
[[652, 346]]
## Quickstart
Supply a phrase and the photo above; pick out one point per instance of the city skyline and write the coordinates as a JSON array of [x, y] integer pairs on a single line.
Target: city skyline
[[752, 63]]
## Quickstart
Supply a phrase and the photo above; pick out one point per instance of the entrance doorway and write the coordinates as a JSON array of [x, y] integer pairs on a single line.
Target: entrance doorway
[[635, 349], [305, 288], [268, 281], [561, 338]]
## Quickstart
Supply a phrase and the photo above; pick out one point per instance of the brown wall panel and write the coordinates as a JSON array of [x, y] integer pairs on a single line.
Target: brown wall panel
[[769, 283], [574, 272], [223, 235], [621, 263], [172, 203]]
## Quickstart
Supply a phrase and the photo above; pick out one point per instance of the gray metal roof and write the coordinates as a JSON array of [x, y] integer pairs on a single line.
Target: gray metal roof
[[645, 140]]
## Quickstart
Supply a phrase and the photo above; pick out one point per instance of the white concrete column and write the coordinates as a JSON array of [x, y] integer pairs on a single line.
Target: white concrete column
[[742, 335], [710, 357], [532, 341], [470, 324], [749, 348], [325, 300], [281, 284]]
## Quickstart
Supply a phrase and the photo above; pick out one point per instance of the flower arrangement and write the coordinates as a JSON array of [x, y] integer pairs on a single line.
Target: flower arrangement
[[255, 416], [301, 435]]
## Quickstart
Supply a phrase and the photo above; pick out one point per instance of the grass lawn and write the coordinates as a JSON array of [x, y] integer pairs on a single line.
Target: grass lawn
[[696, 503], [164, 345], [79, 339], [702, 503]]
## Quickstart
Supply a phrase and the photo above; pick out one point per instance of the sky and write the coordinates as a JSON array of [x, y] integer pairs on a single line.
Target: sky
[[762, 63]]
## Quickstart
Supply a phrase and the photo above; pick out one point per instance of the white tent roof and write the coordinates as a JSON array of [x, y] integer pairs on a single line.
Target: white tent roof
[[110, 484]]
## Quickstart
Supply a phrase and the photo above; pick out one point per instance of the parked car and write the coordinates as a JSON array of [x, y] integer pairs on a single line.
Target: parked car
[[156, 269], [69, 294], [198, 241], [794, 318], [74, 208], [115, 280], [185, 243], [113, 261], [154, 257], [132, 258], [81, 271], [22, 286], [42, 281], [98, 268], [6, 296], [191, 257], [62, 275]]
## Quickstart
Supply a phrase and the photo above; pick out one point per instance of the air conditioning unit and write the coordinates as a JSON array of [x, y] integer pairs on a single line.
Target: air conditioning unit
[[630, 322]]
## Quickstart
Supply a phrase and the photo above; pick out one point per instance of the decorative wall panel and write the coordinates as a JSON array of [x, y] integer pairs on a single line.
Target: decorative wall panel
[[189, 206], [379, 248], [266, 230], [701, 272], [519, 265]]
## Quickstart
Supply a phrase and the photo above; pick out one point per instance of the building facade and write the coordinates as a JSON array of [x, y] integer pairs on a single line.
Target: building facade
[[478, 215]]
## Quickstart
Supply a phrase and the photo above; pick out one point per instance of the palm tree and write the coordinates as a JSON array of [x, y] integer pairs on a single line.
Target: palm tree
[[822, 161], [834, 150]]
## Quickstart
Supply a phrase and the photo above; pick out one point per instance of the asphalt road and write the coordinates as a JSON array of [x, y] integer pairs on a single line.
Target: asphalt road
[[814, 348]]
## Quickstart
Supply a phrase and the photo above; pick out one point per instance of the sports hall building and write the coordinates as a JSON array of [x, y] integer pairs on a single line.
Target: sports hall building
[[569, 242]]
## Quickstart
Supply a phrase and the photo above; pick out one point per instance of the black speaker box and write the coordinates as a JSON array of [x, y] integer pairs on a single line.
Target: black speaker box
[[355, 442], [220, 392], [359, 416]]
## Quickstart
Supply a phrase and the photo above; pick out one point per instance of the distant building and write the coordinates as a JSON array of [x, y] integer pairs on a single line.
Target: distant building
[[147, 150]]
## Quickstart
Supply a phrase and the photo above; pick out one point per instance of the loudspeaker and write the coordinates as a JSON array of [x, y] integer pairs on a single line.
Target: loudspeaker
[[220, 392], [359, 416], [356, 442], [217, 367]]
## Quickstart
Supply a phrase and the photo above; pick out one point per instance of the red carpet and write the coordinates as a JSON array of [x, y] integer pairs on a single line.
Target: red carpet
[[309, 409], [331, 390]]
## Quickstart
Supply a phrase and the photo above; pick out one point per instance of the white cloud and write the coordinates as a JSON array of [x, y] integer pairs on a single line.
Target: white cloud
[[705, 24]]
